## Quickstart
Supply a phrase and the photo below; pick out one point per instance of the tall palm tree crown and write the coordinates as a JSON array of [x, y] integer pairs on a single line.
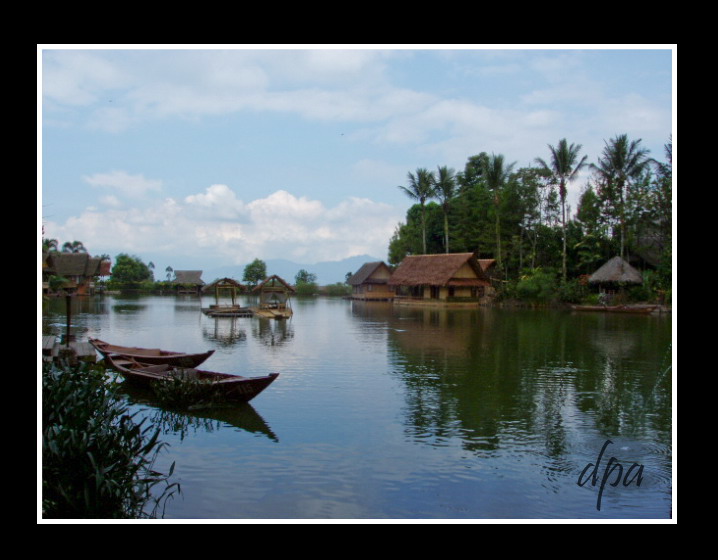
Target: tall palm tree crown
[[563, 168], [496, 174], [445, 187], [421, 188], [622, 161]]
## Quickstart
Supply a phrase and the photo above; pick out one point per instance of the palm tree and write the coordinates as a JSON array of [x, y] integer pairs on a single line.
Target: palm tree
[[421, 189], [563, 168], [496, 174], [73, 247], [444, 187], [49, 244], [622, 163]]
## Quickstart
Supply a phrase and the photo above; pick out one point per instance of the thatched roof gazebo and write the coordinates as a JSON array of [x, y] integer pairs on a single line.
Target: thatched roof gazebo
[[224, 286], [616, 272], [274, 294]]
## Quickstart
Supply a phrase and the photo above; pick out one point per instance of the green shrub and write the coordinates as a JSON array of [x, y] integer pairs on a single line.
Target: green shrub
[[538, 286], [306, 288], [96, 460], [338, 289]]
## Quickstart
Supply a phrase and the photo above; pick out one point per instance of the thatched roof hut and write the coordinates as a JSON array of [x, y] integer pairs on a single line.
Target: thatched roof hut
[[73, 265], [444, 270], [370, 281], [79, 269], [189, 277], [616, 271], [371, 273]]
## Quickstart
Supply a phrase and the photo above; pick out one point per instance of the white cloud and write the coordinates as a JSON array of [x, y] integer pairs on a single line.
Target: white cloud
[[280, 225]]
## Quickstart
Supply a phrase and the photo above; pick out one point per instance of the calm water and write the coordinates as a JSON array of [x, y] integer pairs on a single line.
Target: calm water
[[385, 412]]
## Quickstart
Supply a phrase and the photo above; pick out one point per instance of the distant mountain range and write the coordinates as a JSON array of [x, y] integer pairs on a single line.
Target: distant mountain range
[[327, 272]]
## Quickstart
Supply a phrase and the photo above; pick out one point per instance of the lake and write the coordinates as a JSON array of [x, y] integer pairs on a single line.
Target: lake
[[393, 412]]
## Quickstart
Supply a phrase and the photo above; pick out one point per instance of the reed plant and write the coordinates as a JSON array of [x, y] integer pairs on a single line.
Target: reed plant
[[97, 459]]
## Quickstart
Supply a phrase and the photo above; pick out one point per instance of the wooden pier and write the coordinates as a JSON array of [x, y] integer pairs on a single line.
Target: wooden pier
[[51, 350]]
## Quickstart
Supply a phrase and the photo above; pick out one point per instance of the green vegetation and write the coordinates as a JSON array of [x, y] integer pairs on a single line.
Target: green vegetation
[[255, 272], [184, 392], [305, 283], [521, 218], [96, 460], [129, 271]]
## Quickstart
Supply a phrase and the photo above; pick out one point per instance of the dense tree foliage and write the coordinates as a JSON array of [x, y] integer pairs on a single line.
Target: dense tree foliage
[[130, 270], [521, 217], [255, 272]]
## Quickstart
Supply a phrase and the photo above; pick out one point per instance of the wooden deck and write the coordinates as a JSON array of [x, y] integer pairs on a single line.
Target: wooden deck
[[272, 313], [51, 349]]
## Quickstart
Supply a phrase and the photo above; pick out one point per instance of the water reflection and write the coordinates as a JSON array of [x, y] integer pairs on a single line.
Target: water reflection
[[225, 331], [533, 383], [241, 416], [272, 332], [401, 412]]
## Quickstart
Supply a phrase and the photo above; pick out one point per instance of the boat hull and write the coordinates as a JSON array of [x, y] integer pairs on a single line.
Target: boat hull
[[644, 309], [229, 387], [151, 355]]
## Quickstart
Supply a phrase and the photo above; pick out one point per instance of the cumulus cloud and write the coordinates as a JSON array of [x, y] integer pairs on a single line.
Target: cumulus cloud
[[218, 226]]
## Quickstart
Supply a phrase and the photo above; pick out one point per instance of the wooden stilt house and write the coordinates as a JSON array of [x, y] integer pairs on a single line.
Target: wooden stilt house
[[371, 282], [445, 278], [79, 270]]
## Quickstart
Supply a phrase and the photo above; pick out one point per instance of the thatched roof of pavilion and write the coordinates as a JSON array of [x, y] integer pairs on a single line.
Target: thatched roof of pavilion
[[223, 283], [438, 270], [274, 282], [616, 271]]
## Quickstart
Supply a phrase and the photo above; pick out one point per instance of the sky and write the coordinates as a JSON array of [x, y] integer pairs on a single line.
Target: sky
[[203, 156]]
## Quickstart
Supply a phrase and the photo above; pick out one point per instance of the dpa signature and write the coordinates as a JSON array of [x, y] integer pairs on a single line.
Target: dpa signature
[[613, 468]]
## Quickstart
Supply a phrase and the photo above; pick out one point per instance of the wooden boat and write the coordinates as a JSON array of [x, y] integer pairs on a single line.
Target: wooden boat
[[226, 386], [617, 308], [151, 355]]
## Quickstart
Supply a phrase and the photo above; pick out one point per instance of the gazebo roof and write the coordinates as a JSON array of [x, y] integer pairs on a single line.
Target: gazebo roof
[[616, 271], [223, 283], [274, 282]]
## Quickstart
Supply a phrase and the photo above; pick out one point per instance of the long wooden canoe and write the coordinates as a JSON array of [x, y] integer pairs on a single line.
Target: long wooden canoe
[[616, 308], [150, 355], [235, 388]]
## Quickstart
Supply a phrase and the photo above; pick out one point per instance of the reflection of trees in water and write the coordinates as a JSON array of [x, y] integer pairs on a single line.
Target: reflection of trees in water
[[529, 377], [225, 331]]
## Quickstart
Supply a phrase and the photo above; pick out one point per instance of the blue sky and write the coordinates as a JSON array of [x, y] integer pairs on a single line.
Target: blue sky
[[201, 157]]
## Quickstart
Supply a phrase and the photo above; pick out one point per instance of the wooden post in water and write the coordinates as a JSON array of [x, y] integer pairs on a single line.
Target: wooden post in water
[[68, 314]]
